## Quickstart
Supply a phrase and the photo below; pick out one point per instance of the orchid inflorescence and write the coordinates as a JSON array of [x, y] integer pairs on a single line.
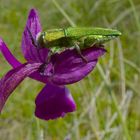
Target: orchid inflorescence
[[54, 100]]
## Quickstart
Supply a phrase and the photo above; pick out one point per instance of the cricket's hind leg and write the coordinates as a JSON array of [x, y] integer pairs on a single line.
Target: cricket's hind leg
[[76, 46]]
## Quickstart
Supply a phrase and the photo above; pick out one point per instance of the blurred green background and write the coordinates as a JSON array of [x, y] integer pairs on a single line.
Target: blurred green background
[[108, 100]]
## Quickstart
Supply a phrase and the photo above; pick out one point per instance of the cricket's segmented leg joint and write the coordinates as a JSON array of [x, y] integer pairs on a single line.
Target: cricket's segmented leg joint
[[49, 57], [47, 69], [79, 52]]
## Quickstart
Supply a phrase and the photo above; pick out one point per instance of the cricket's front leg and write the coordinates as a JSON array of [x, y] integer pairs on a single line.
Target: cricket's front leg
[[76, 46], [44, 66]]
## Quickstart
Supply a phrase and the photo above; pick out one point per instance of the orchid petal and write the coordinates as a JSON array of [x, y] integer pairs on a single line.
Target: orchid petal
[[31, 53], [53, 102], [15, 63], [13, 78], [70, 68], [8, 55]]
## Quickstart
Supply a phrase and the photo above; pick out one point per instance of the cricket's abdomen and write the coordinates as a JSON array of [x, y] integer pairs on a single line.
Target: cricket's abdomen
[[86, 31]]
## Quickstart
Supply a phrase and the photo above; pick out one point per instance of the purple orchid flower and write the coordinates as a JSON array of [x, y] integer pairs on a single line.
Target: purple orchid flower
[[54, 100]]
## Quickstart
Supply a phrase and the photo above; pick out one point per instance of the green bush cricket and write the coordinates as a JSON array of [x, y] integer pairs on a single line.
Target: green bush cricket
[[79, 38]]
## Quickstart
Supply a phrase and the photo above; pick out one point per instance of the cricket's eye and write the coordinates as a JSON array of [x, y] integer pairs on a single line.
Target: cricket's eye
[[40, 40]]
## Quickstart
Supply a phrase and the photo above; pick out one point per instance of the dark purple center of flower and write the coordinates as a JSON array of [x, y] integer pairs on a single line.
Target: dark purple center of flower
[[46, 70], [42, 69]]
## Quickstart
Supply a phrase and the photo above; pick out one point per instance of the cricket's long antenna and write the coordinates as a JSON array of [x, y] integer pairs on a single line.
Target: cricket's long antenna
[[42, 68], [34, 42], [31, 36]]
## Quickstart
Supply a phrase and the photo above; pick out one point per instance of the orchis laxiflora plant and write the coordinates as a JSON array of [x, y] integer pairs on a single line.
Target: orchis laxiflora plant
[[54, 100]]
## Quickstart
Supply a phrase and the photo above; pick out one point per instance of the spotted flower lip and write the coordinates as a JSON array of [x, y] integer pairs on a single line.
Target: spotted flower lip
[[54, 100]]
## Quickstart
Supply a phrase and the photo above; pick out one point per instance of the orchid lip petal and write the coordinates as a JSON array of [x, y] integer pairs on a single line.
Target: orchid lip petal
[[54, 102]]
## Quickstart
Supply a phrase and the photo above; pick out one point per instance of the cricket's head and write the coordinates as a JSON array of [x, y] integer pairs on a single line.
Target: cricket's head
[[45, 38]]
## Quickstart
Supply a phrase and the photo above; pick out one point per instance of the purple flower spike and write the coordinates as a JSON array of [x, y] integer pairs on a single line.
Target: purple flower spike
[[53, 102], [65, 68]]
